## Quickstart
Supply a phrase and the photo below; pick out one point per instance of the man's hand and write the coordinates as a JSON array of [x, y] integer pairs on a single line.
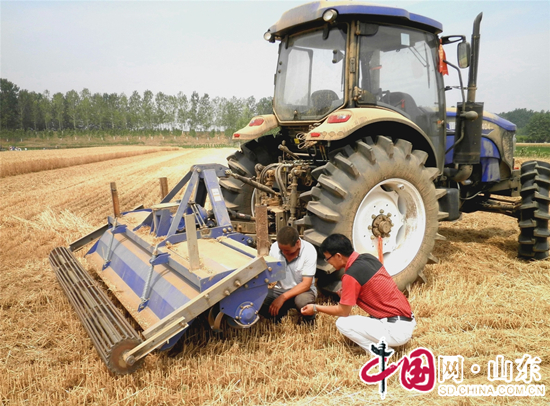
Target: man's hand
[[276, 305], [307, 310]]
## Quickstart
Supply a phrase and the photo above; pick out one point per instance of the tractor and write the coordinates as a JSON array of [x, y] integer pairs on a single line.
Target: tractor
[[360, 142]]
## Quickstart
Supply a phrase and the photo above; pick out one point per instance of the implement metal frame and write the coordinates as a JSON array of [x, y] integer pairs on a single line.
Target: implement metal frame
[[129, 263]]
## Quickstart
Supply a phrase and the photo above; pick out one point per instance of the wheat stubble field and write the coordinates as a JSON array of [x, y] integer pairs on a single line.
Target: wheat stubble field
[[480, 301]]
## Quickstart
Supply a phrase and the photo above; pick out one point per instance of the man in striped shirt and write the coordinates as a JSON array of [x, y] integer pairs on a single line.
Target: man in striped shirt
[[367, 284]]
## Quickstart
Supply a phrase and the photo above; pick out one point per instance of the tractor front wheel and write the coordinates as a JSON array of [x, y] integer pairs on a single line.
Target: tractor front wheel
[[533, 212]]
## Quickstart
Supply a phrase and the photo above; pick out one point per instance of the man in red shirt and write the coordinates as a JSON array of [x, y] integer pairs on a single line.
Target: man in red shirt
[[367, 284]]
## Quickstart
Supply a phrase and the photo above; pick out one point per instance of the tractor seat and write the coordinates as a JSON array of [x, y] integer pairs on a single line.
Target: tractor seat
[[405, 103], [322, 101]]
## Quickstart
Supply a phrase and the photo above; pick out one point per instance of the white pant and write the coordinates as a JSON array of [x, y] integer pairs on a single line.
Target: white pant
[[366, 330]]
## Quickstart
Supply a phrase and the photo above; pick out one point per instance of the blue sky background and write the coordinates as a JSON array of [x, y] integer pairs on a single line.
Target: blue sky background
[[217, 47]]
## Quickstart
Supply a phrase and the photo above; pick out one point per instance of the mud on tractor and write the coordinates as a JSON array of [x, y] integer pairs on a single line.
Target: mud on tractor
[[360, 143]]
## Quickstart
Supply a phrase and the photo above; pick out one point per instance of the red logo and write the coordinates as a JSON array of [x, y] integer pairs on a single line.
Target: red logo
[[417, 369]]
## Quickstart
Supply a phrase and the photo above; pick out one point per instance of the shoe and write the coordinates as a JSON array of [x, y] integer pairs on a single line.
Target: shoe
[[307, 320]]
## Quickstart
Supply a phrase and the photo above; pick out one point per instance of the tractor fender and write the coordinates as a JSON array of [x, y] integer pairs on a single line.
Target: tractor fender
[[257, 127], [355, 121]]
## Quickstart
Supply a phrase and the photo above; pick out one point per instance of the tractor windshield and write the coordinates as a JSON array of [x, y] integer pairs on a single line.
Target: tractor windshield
[[398, 70], [309, 82]]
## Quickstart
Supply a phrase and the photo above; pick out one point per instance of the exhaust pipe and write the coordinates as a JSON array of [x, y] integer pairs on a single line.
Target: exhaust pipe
[[472, 74], [469, 117]]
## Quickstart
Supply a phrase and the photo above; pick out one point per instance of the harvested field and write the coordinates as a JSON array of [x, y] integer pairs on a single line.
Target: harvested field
[[480, 301], [21, 162]]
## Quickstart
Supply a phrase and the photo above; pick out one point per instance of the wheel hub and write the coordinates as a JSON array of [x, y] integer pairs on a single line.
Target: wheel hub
[[393, 211], [381, 225]]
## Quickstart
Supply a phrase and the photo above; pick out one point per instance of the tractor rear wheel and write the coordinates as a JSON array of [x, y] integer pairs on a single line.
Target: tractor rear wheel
[[533, 212], [379, 190], [238, 195]]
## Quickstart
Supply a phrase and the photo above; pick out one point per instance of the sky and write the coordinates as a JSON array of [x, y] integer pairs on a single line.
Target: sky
[[217, 47]]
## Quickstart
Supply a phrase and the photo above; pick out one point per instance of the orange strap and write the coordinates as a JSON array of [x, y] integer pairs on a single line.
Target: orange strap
[[380, 250], [442, 65]]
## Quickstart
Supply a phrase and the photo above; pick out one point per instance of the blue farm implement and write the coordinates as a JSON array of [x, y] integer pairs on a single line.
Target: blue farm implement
[[166, 265]]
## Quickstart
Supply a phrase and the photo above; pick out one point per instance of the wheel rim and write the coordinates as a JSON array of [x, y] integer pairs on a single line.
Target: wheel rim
[[394, 211]]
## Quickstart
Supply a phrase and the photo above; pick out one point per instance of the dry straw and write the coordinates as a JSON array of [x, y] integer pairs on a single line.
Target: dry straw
[[21, 162], [479, 301]]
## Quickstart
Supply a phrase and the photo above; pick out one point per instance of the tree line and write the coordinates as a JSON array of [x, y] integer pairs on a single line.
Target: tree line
[[533, 126], [24, 111], [29, 112]]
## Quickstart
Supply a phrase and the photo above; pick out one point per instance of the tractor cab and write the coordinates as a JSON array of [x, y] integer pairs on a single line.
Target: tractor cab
[[335, 55]]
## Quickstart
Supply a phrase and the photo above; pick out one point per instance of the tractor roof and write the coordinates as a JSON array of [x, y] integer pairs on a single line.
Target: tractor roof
[[311, 12]]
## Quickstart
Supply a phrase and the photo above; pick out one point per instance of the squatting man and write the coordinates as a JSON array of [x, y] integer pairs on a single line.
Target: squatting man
[[297, 288], [367, 284]]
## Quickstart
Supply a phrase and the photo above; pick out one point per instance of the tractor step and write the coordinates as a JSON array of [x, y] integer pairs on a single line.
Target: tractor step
[[111, 334]]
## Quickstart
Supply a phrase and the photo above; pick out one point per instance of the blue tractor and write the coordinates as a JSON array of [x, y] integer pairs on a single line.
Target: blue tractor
[[361, 143]]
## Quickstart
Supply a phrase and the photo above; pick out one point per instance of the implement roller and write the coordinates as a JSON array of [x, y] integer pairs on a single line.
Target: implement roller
[[166, 265], [110, 332]]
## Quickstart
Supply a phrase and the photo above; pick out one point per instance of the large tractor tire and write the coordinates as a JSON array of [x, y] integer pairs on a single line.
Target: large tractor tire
[[533, 212], [238, 195], [381, 189]]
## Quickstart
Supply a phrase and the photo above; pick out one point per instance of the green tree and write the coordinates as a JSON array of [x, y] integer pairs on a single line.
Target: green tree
[[25, 110], [85, 107], [47, 109], [8, 104], [248, 110], [250, 104], [161, 115], [182, 110], [112, 106], [538, 127], [24, 106], [134, 107], [171, 110], [217, 104], [520, 117], [231, 114], [244, 118], [148, 109], [204, 113], [73, 105], [36, 110], [192, 115], [264, 106], [58, 103], [124, 111], [98, 111]]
